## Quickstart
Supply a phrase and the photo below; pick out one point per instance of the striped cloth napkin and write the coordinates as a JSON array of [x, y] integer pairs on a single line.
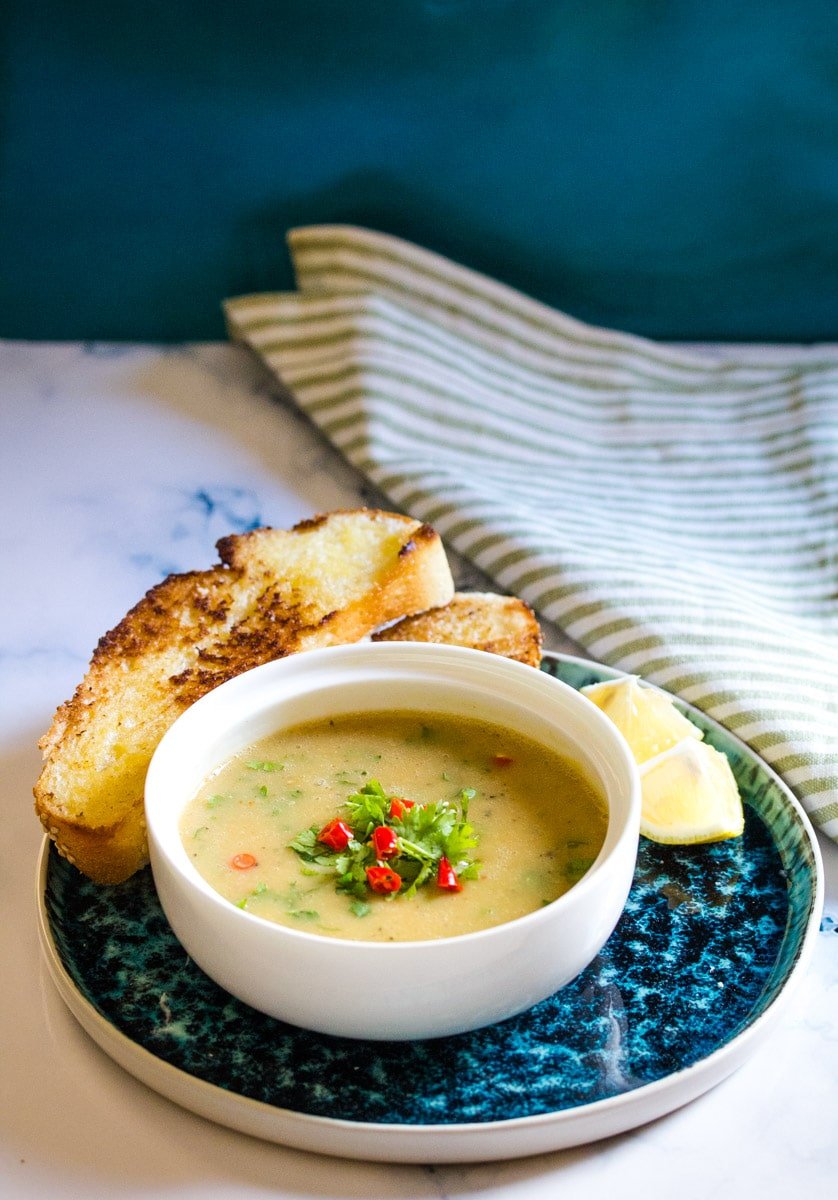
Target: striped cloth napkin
[[676, 514]]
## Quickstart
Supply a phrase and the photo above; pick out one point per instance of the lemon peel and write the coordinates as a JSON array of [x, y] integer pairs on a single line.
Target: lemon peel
[[689, 795], [647, 719]]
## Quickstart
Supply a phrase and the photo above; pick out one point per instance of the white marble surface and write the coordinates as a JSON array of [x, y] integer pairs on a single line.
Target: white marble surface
[[119, 465]]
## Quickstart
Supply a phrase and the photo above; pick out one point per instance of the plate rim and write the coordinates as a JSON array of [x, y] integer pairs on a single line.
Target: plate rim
[[512, 1137]]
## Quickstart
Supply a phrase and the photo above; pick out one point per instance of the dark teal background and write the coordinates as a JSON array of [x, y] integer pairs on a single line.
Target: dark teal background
[[667, 168]]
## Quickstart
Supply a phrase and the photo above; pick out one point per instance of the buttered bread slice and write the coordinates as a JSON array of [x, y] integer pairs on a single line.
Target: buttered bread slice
[[330, 580], [479, 620]]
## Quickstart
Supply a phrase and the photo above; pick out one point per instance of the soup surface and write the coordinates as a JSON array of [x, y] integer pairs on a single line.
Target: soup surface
[[537, 817]]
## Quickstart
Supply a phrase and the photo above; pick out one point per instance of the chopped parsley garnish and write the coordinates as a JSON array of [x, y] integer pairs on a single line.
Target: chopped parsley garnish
[[386, 844], [259, 890], [289, 900]]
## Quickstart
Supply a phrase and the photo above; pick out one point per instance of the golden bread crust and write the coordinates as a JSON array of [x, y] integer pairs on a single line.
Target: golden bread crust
[[480, 620], [330, 580]]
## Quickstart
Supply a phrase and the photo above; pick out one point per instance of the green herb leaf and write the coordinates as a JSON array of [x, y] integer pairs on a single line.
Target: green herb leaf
[[470, 871], [367, 808], [423, 875], [257, 891], [577, 867], [305, 844], [465, 798]]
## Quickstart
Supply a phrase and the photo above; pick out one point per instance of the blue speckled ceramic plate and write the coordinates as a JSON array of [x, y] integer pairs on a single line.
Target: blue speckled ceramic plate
[[690, 982]]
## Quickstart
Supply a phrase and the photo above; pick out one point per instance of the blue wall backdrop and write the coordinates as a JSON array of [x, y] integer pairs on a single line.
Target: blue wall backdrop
[[666, 168]]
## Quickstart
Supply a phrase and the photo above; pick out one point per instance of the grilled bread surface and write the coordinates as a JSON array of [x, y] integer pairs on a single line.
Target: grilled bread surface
[[481, 620], [332, 579]]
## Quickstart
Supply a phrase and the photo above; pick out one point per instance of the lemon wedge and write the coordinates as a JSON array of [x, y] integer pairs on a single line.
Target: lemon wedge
[[689, 795], [646, 718]]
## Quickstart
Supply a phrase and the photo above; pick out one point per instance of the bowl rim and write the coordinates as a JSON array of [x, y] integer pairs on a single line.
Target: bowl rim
[[543, 681]]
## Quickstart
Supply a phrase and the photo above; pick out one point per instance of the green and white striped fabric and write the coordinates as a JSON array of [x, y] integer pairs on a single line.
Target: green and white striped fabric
[[676, 514]]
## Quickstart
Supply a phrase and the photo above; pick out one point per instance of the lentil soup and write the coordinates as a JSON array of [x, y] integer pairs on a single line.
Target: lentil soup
[[454, 825]]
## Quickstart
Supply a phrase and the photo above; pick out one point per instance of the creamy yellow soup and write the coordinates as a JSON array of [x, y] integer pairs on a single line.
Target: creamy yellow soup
[[538, 818]]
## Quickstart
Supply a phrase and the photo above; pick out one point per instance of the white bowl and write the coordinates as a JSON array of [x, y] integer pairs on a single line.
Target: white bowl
[[394, 990]]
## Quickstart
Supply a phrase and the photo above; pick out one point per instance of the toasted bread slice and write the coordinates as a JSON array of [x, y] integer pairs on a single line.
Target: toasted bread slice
[[329, 580], [481, 620]]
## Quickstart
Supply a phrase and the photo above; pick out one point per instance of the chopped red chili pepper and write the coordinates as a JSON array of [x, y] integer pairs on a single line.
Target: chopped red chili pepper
[[336, 835], [383, 879], [384, 841], [446, 877], [502, 760], [399, 806], [242, 862]]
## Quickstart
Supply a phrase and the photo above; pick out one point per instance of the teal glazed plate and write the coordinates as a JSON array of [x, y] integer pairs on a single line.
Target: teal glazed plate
[[693, 978]]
